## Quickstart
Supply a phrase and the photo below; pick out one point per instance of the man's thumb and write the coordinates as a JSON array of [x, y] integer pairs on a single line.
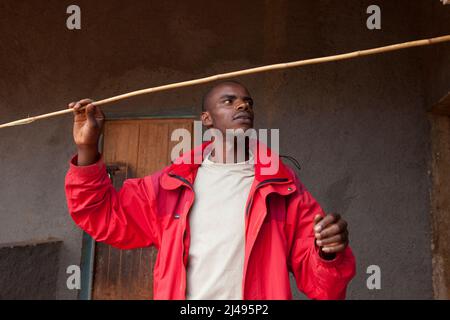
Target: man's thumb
[[317, 218]]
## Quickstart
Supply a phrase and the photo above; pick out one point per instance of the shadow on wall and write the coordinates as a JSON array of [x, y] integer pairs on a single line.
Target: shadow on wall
[[29, 270], [337, 195]]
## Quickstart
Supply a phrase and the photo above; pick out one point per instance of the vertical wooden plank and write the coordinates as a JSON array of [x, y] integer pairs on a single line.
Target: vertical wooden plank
[[113, 277], [147, 260], [153, 141], [128, 274], [121, 144], [440, 204], [100, 271]]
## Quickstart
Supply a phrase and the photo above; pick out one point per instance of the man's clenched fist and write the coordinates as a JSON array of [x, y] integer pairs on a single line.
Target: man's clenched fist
[[331, 234]]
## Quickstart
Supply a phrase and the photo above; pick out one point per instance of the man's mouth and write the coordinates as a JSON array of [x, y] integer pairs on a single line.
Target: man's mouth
[[243, 116]]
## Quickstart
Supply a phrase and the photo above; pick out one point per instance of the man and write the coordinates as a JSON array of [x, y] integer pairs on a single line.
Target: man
[[240, 237]]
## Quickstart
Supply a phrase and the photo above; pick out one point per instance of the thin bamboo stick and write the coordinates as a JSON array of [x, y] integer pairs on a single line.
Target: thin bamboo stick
[[234, 74]]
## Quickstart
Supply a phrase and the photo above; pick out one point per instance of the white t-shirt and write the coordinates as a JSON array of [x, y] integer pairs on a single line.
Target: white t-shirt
[[217, 222]]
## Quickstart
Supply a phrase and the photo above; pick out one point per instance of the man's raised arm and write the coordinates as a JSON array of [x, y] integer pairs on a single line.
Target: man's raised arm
[[124, 219]]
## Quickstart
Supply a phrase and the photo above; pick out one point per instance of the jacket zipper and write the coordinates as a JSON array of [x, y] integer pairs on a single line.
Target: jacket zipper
[[262, 183], [182, 180], [189, 185]]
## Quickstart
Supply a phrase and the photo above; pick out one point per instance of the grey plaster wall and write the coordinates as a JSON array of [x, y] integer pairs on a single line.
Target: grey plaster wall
[[358, 128]]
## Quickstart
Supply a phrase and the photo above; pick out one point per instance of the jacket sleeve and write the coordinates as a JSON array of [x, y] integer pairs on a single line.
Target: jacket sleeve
[[126, 219], [316, 277]]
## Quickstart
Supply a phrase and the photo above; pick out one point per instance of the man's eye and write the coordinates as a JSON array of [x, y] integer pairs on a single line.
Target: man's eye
[[228, 101]]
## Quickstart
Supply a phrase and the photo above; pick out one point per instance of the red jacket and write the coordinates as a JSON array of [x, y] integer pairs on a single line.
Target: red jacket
[[154, 211]]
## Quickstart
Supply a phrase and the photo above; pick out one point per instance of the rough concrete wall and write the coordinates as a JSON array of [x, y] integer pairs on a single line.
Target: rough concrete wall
[[358, 127]]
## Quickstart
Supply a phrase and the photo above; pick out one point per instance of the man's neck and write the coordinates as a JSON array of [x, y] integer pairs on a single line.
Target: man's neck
[[231, 153]]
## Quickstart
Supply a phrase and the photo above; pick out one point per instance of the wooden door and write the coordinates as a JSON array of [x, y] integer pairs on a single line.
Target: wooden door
[[132, 149], [440, 197]]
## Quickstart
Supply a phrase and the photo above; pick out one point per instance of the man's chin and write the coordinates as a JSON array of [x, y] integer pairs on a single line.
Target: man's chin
[[245, 127], [242, 129]]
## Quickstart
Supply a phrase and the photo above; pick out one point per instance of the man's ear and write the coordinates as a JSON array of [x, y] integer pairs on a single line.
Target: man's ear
[[206, 119]]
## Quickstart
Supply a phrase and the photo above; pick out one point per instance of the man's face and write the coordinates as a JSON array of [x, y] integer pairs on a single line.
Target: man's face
[[228, 106]]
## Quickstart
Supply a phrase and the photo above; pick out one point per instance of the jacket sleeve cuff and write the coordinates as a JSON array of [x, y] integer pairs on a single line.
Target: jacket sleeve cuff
[[94, 169], [327, 263]]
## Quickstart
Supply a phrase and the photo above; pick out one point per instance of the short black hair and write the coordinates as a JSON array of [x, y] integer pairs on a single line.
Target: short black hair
[[211, 89]]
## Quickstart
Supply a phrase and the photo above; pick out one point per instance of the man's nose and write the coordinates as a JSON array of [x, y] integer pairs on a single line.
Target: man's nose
[[242, 105]]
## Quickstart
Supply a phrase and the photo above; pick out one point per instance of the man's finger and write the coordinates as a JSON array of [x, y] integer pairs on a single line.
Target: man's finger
[[317, 218], [336, 239], [84, 102], [77, 108], [90, 114], [332, 230], [334, 249], [99, 115], [330, 218]]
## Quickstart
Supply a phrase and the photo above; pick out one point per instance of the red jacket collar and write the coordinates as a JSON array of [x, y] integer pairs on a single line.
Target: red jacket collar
[[184, 169]]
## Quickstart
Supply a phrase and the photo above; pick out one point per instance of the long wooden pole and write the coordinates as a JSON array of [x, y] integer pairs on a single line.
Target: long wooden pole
[[279, 66]]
